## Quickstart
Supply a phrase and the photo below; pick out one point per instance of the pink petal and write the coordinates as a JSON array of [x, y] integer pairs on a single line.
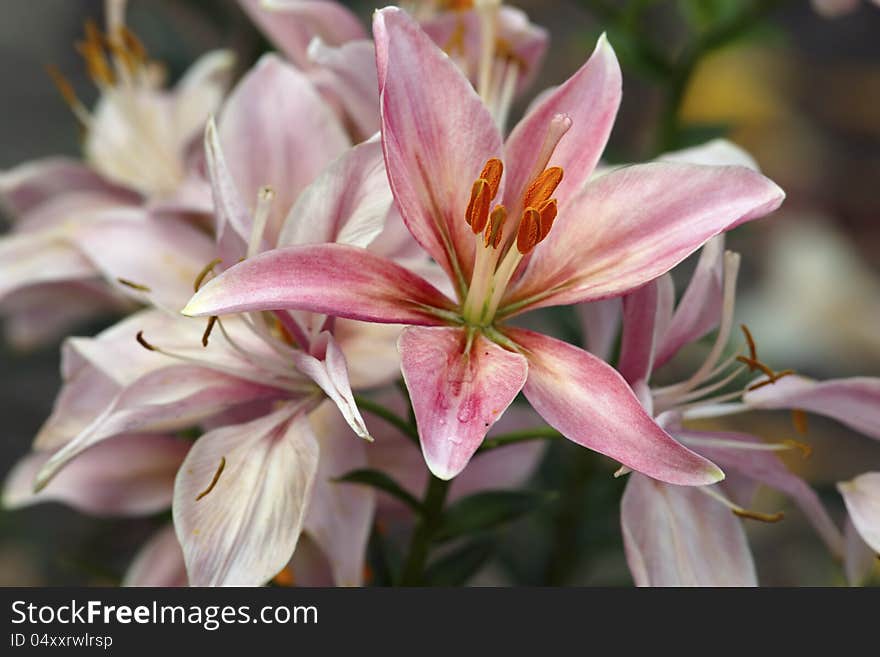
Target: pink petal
[[172, 398], [200, 92], [116, 244], [340, 516], [132, 475], [679, 536], [233, 220], [27, 186], [859, 558], [459, 388], [717, 152], [592, 405], [589, 98], [41, 314], [347, 74], [640, 310], [437, 135], [331, 375], [854, 402], [292, 24], [264, 147], [333, 279], [508, 467], [158, 563], [862, 497], [766, 467], [601, 324], [699, 310], [30, 259], [636, 223], [348, 203], [245, 530]]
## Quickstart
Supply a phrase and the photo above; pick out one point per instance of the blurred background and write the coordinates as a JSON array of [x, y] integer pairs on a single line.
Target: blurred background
[[799, 91]]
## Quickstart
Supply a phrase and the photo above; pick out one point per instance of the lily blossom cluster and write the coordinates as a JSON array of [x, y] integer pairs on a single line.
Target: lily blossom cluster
[[355, 213]]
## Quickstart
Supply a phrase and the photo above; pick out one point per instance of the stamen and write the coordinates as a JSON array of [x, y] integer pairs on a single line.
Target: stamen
[[529, 231], [488, 14], [542, 187], [210, 327], [143, 342], [214, 480], [133, 285], [799, 419], [806, 450], [773, 379], [477, 213], [753, 351], [494, 229], [204, 273], [69, 95], [738, 510], [757, 365], [491, 173], [92, 51], [548, 213], [261, 217]]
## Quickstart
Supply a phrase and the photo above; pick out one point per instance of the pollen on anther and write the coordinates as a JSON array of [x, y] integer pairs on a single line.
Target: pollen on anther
[[492, 173], [477, 213], [495, 226], [542, 187], [529, 231]]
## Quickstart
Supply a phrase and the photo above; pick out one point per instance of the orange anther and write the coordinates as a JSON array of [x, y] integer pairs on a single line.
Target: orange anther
[[548, 214], [285, 577], [477, 213], [529, 231], [799, 419], [491, 173], [542, 187], [757, 515], [494, 229]]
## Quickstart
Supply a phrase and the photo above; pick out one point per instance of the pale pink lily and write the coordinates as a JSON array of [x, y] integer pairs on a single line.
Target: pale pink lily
[[495, 46], [138, 159], [257, 381], [463, 367]]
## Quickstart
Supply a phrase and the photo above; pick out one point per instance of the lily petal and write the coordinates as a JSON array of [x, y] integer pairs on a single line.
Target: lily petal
[[635, 223], [348, 203], [245, 529], [158, 563], [589, 98], [331, 375], [436, 134], [459, 385], [699, 310], [347, 73], [171, 398], [862, 498], [859, 558], [600, 321], [200, 91], [679, 536], [854, 402], [766, 467], [334, 279], [292, 24], [637, 341], [263, 149], [132, 475], [340, 515], [592, 405]]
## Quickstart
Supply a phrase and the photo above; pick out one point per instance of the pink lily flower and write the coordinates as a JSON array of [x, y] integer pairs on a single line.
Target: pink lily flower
[[137, 159], [862, 498], [495, 46], [463, 366], [680, 536], [257, 382]]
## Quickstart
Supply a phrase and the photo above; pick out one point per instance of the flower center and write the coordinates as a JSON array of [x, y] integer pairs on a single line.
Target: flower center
[[501, 245]]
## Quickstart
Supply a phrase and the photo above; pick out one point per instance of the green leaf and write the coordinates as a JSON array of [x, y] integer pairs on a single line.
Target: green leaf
[[461, 564], [484, 511], [383, 482]]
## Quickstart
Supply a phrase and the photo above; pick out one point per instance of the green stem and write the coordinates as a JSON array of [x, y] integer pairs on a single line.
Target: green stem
[[514, 437], [420, 544], [392, 418]]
